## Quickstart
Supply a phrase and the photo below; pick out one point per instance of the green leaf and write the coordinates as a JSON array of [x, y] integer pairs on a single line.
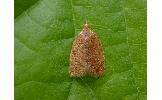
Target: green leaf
[[44, 32], [21, 5]]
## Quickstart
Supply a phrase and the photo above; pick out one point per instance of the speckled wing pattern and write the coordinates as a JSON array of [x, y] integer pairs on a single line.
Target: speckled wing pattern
[[87, 55]]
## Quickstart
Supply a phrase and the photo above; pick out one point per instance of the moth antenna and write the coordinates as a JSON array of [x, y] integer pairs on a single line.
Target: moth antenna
[[86, 22]]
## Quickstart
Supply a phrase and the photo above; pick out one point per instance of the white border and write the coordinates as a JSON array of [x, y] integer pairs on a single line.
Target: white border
[[154, 79], [6, 50]]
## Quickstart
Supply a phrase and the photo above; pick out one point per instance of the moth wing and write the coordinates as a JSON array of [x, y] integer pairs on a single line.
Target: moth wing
[[77, 58], [96, 57]]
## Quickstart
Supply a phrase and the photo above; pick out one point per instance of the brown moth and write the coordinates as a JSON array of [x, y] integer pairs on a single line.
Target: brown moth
[[86, 55]]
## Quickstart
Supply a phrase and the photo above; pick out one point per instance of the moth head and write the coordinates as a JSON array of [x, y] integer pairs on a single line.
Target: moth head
[[86, 26], [86, 32]]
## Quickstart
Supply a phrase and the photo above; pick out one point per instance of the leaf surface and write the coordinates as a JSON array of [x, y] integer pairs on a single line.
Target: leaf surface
[[44, 32]]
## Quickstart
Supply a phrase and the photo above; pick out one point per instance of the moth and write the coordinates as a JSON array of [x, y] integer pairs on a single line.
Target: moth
[[87, 55]]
